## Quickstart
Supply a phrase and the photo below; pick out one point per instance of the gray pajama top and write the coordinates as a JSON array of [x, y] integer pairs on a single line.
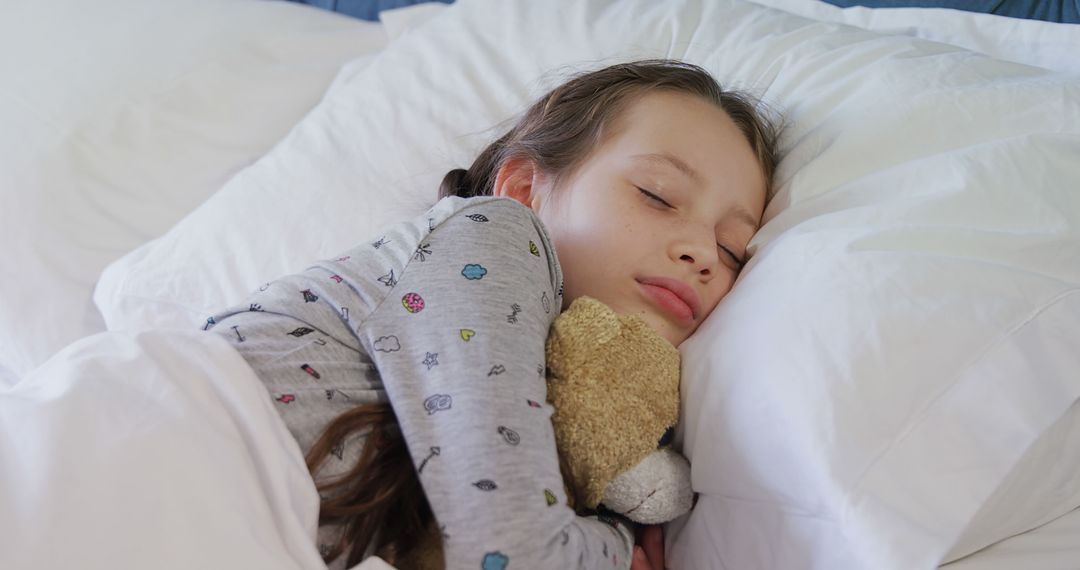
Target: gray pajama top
[[444, 316]]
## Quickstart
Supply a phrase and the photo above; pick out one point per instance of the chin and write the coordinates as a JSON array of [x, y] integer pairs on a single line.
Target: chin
[[673, 335]]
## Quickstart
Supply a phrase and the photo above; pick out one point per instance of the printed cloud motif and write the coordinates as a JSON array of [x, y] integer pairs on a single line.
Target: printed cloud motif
[[474, 271], [387, 344]]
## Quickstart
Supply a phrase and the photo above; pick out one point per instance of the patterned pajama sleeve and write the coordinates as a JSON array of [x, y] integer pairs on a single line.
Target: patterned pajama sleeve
[[445, 316], [459, 342]]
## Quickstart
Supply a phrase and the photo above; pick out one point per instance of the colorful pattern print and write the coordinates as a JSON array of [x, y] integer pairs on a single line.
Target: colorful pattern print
[[413, 303], [446, 317]]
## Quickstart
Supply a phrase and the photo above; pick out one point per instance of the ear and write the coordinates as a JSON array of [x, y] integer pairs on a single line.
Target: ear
[[520, 179]]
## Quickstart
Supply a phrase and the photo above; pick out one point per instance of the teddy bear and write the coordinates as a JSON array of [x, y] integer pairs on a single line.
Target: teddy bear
[[613, 382]]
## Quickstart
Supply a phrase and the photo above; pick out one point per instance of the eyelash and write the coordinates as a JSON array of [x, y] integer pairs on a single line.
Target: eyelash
[[660, 200]]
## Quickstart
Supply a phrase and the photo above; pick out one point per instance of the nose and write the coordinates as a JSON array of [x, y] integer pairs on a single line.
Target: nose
[[700, 251]]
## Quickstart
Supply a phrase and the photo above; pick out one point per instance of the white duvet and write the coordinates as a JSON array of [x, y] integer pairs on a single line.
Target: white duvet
[[155, 450]]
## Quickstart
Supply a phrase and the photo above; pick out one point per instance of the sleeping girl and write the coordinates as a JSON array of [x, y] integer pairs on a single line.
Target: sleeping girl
[[410, 369]]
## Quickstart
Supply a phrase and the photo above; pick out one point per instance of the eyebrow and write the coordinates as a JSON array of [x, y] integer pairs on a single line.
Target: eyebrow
[[739, 214], [672, 160]]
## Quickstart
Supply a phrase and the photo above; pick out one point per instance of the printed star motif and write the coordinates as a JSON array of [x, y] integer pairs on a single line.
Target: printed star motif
[[431, 359]]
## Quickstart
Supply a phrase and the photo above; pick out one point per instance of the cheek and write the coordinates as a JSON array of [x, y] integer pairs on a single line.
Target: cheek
[[594, 255]]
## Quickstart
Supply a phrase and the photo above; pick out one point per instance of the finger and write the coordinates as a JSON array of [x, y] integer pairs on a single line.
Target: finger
[[639, 561], [653, 546]]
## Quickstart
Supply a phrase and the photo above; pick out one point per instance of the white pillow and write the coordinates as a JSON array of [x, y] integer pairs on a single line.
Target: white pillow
[[905, 332], [1051, 45], [119, 117]]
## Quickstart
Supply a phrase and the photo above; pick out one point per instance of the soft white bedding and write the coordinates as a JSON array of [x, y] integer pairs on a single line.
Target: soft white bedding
[[1054, 546], [121, 116], [156, 450], [1033, 42], [849, 205]]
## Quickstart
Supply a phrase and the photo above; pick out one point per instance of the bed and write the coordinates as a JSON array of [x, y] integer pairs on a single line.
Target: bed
[[891, 383]]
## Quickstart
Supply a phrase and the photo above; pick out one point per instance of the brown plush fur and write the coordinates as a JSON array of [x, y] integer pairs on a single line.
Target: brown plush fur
[[614, 383]]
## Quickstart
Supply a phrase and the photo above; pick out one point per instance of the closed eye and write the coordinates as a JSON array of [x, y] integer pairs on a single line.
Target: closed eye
[[653, 197], [731, 254]]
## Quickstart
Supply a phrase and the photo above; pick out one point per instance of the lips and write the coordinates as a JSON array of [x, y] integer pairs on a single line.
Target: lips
[[673, 295]]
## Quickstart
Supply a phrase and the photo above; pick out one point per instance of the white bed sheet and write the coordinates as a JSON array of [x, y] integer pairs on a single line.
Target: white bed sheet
[[121, 116]]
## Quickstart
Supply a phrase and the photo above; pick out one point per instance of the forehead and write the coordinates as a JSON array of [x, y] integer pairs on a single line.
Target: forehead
[[679, 122], [686, 137]]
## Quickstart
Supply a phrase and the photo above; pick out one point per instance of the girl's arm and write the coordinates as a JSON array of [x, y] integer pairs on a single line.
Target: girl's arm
[[458, 340]]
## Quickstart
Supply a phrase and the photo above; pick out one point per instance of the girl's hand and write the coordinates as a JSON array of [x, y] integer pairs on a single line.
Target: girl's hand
[[649, 549]]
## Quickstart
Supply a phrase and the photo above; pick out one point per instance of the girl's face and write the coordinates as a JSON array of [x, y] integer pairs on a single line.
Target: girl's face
[[656, 221]]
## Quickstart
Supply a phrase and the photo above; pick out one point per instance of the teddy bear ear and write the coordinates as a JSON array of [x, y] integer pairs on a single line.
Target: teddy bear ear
[[587, 318]]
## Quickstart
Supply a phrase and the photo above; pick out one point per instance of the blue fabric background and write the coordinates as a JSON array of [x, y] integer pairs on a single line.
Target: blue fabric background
[[1050, 10], [364, 9]]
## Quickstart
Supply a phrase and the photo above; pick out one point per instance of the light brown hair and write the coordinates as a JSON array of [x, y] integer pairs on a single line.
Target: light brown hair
[[558, 132]]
